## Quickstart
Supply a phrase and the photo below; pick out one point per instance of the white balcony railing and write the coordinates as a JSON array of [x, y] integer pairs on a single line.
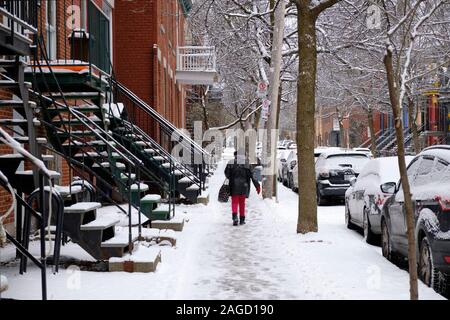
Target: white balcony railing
[[196, 65], [196, 59]]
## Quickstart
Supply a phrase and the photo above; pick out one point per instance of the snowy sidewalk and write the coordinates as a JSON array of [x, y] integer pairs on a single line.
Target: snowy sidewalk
[[264, 259]]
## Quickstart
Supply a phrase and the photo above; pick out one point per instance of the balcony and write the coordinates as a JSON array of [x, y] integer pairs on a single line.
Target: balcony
[[18, 21], [196, 65]]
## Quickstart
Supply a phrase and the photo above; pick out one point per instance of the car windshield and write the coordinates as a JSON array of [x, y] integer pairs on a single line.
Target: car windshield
[[354, 161]]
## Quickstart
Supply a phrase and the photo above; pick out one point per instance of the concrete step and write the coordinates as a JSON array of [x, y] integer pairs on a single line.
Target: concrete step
[[100, 223], [82, 207], [176, 224], [141, 260]]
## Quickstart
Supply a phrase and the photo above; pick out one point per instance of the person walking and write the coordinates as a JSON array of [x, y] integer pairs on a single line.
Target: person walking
[[239, 173]]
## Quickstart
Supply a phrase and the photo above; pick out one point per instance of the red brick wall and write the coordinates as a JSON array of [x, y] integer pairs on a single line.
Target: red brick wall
[[136, 62]]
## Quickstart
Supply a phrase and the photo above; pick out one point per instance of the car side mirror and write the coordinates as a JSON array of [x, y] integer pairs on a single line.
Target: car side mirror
[[353, 181], [389, 187]]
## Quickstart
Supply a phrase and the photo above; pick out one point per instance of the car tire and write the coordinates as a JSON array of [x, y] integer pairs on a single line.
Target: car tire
[[385, 241], [369, 236], [348, 220], [428, 274], [320, 200], [290, 181]]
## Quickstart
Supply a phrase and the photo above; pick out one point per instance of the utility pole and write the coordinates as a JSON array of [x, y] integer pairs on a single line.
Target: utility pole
[[270, 145]]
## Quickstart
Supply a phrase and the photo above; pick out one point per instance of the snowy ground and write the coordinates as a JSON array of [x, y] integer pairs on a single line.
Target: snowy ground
[[265, 259]]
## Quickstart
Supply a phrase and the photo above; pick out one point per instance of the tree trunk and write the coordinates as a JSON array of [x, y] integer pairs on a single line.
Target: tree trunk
[[396, 109], [342, 138], [413, 125], [270, 147], [306, 101], [373, 138], [277, 127]]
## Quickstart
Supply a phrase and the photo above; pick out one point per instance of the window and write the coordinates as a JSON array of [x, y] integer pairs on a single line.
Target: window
[[50, 26], [441, 171], [423, 175], [412, 169], [354, 161]]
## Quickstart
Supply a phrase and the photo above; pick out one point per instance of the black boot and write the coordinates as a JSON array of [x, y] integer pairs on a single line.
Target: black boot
[[242, 220], [235, 219]]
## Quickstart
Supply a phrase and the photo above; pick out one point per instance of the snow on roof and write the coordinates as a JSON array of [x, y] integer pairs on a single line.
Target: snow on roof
[[334, 152], [385, 168], [442, 152]]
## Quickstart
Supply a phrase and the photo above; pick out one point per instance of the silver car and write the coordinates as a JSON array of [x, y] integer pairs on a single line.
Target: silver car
[[364, 199]]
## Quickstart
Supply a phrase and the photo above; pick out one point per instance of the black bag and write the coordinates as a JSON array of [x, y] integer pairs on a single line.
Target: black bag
[[224, 192]]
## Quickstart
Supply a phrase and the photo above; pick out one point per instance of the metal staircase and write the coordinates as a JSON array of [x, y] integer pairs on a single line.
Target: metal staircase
[[192, 167], [56, 112]]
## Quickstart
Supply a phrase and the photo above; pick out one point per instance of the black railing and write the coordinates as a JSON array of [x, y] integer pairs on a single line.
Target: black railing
[[199, 160], [40, 214], [21, 15], [47, 101]]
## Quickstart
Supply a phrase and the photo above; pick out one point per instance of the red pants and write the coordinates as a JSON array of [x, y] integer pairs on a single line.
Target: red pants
[[238, 201]]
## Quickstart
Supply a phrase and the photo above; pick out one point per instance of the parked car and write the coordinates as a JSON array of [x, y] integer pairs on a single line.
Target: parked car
[[364, 199], [285, 143], [319, 150], [282, 154], [294, 185], [287, 166], [429, 178], [366, 150], [334, 171]]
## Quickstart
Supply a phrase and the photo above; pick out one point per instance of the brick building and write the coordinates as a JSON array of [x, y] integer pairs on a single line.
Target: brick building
[[148, 34], [94, 55], [53, 18]]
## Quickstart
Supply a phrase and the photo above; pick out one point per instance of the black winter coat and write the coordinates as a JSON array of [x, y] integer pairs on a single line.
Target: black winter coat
[[239, 176]]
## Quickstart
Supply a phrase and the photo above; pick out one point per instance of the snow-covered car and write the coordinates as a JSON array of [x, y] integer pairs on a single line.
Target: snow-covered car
[[287, 166], [429, 179], [366, 150], [319, 150], [334, 171], [282, 154], [364, 199], [294, 185]]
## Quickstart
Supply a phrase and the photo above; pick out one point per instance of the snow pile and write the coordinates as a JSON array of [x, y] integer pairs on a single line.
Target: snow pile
[[341, 161], [377, 172], [3, 283], [264, 259], [115, 212], [431, 222], [141, 253]]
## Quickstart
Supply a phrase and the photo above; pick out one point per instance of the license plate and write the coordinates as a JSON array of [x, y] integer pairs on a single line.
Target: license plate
[[348, 177]]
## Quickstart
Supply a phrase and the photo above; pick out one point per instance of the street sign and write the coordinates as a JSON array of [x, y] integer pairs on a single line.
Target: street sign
[[265, 109], [262, 89]]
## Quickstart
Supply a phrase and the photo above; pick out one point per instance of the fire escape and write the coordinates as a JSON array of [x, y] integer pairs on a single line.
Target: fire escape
[[71, 108]]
